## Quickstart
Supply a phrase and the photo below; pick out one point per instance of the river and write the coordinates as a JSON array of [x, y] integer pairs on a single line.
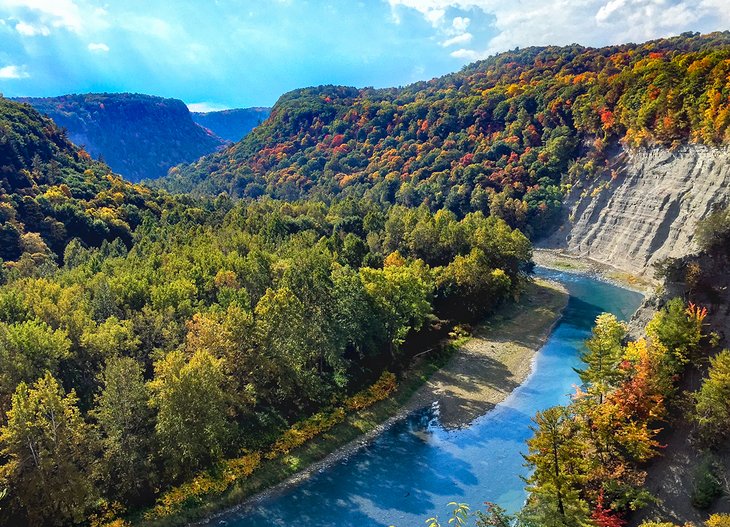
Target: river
[[415, 468]]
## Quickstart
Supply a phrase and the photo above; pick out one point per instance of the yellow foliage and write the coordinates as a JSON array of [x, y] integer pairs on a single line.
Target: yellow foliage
[[718, 520], [377, 392]]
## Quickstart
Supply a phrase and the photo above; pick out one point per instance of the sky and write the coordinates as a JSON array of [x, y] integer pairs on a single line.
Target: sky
[[216, 54]]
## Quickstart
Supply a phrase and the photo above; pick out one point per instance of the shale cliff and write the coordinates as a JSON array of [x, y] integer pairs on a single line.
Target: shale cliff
[[647, 209]]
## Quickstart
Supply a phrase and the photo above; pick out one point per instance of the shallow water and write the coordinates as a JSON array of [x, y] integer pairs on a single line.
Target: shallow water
[[416, 467]]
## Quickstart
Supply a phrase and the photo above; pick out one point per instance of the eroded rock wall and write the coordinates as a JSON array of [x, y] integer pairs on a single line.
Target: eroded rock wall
[[648, 210]]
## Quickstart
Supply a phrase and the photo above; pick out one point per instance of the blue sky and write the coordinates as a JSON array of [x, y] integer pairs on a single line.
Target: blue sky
[[236, 53]]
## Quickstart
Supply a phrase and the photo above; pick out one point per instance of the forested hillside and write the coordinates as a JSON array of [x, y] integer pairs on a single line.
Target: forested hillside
[[139, 136], [231, 125], [176, 335], [51, 192], [503, 136]]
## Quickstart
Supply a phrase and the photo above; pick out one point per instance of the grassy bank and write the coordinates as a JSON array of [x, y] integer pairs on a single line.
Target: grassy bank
[[509, 338]]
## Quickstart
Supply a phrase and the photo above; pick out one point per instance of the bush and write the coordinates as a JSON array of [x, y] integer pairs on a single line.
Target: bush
[[707, 487]]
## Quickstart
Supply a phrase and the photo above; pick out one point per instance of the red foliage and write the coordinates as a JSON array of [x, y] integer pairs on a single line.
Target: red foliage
[[605, 516]]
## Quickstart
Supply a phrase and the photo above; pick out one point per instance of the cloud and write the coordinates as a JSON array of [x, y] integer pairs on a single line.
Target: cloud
[[31, 30], [98, 47], [561, 22], [458, 39], [13, 72], [64, 14]]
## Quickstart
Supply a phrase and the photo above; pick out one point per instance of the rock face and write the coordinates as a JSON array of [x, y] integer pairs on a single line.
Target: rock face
[[648, 209]]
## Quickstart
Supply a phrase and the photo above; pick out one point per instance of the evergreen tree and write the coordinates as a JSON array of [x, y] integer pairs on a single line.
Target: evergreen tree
[[603, 354], [556, 454]]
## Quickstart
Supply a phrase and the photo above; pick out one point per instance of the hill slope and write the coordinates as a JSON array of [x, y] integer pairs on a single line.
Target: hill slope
[[500, 136], [139, 136], [51, 192], [232, 125]]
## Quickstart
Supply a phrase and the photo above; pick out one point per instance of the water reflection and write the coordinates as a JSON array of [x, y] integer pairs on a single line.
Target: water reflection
[[413, 469]]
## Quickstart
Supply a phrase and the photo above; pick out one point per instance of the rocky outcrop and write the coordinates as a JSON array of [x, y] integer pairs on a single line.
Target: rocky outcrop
[[647, 210]]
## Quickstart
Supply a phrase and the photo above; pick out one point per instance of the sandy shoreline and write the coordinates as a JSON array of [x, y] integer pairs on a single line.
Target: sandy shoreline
[[560, 261], [483, 372]]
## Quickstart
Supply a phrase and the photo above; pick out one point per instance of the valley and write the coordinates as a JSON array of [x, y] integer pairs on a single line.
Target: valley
[[329, 312]]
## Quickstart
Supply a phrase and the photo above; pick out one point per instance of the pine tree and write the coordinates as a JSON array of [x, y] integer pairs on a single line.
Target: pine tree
[[603, 354], [557, 455]]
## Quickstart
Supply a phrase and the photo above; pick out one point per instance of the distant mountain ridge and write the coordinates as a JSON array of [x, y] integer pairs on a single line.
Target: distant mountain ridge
[[232, 125], [139, 136]]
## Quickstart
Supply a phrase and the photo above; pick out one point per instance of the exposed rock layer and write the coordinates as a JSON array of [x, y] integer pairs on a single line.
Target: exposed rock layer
[[648, 210]]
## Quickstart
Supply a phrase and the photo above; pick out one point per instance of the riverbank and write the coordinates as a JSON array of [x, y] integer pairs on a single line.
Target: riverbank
[[495, 360], [561, 261], [467, 378]]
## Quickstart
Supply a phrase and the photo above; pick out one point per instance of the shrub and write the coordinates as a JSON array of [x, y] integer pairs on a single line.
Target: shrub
[[707, 487]]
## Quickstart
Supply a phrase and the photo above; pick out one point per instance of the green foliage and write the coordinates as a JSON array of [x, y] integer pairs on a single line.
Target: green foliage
[[192, 410], [587, 458], [712, 401], [125, 427], [139, 136], [707, 485], [47, 444], [51, 192], [604, 352], [500, 136], [556, 453], [714, 230]]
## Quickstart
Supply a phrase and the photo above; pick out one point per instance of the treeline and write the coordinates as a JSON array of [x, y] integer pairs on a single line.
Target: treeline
[[503, 136], [127, 371]]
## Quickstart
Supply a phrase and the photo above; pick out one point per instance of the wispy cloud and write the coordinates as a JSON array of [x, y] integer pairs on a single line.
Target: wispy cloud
[[51, 13], [98, 47], [31, 30], [464, 38], [13, 72]]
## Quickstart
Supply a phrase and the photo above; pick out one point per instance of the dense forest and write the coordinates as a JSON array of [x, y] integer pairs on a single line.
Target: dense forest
[[234, 124], [502, 136], [139, 136], [51, 192]]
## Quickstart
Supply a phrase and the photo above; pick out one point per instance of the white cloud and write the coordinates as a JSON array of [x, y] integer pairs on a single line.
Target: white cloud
[[98, 47], [460, 23], [13, 72], [54, 13], [589, 22], [31, 30], [458, 39]]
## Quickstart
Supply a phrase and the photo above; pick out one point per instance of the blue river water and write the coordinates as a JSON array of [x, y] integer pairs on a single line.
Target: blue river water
[[416, 467]]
